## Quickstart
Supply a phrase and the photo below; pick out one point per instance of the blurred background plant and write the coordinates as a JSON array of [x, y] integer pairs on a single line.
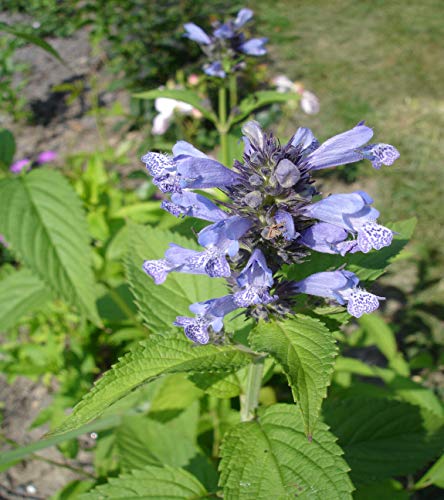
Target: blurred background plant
[[375, 61]]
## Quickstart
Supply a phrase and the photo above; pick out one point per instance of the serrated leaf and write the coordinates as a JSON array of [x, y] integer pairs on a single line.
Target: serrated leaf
[[41, 217], [159, 483], [382, 438], [258, 100], [7, 147], [367, 266], [187, 96], [20, 293], [272, 458], [305, 349], [160, 304], [160, 354]]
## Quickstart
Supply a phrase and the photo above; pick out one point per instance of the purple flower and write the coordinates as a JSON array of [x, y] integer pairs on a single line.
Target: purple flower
[[19, 165], [219, 239], [341, 286], [380, 154], [326, 238], [46, 157], [227, 43], [353, 213], [225, 234], [255, 280], [197, 34], [190, 168], [347, 148], [305, 140], [191, 204], [254, 47], [285, 221], [208, 314], [214, 69]]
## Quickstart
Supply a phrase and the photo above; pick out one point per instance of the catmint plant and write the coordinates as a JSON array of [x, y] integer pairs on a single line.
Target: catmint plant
[[274, 216], [226, 47]]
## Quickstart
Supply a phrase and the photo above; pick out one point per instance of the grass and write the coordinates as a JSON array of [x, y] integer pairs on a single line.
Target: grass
[[381, 61]]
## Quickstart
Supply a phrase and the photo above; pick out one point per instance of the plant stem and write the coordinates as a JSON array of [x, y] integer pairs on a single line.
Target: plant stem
[[250, 400], [233, 91], [222, 128]]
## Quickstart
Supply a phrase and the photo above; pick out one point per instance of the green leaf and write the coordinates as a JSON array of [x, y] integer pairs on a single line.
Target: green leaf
[[187, 96], [367, 266], [42, 218], [305, 349], [35, 40], [382, 335], [7, 147], [385, 490], [159, 483], [20, 293], [220, 385], [435, 475], [397, 386], [160, 304], [382, 438], [141, 441], [272, 458], [258, 100], [160, 354]]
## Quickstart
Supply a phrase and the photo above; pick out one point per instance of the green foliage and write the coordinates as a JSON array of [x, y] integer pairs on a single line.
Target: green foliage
[[159, 305], [368, 267], [305, 349], [384, 438], [52, 238], [435, 475], [7, 147], [162, 483], [160, 354], [258, 100], [272, 457], [20, 293]]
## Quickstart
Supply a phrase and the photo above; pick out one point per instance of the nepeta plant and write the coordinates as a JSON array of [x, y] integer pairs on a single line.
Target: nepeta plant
[[273, 217], [227, 45]]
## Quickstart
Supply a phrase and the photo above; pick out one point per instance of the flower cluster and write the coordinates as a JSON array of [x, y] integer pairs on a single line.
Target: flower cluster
[[227, 44], [274, 216], [26, 163]]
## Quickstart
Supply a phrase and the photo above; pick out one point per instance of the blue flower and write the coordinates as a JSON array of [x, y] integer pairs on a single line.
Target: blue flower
[[326, 238], [191, 204], [353, 213], [341, 286], [189, 168], [208, 314], [255, 280], [225, 47], [268, 219], [344, 148]]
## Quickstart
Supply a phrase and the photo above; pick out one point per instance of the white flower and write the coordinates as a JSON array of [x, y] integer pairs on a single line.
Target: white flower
[[309, 102], [166, 108]]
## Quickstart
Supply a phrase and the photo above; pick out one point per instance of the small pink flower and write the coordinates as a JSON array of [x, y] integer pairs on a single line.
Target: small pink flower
[[193, 79], [46, 156], [19, 165]]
